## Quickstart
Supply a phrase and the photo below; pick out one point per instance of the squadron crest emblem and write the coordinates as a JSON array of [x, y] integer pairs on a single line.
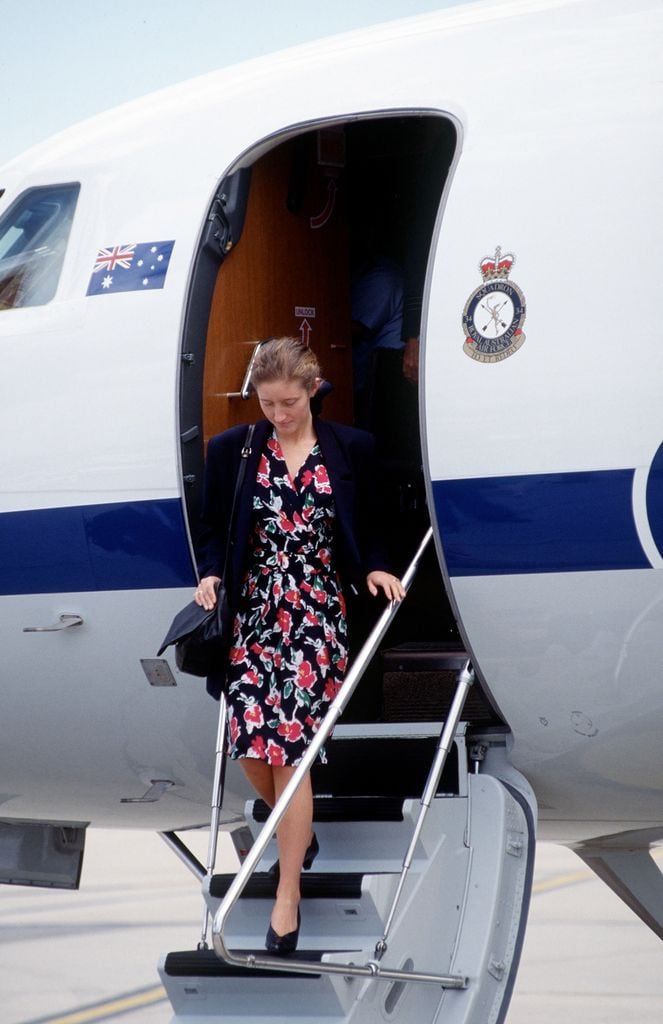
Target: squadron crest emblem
[[494, 314]]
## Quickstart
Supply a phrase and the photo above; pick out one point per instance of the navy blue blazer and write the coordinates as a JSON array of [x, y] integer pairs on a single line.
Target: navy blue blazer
[[349, 455]]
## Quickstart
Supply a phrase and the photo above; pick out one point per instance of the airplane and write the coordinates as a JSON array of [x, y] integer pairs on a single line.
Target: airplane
[[507, 153]]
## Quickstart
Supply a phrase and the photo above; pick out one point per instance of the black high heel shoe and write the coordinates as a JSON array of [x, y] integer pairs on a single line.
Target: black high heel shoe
[[312, 851], [282, 945]]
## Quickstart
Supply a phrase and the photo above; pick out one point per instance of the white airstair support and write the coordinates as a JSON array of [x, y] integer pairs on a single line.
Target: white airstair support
[[462, 912]]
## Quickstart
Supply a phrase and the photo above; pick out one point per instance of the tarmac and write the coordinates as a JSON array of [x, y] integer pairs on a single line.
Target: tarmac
[[90, 956]]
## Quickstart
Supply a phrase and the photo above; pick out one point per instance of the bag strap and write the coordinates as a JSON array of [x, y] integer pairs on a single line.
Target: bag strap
[[246, 451]]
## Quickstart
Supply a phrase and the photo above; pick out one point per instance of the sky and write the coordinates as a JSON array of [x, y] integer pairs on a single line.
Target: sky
[[65, 60]]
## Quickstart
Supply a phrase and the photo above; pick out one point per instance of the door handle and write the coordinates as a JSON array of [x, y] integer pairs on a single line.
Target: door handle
[[66, 622]]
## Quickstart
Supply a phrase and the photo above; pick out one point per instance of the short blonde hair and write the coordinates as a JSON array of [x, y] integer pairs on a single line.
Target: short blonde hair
[[285, 359]]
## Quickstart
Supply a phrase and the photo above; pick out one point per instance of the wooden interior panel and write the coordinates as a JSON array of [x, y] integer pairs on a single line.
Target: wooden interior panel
[[283, 266]]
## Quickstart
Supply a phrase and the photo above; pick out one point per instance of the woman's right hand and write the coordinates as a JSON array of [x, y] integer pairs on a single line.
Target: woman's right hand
[[205, 594]]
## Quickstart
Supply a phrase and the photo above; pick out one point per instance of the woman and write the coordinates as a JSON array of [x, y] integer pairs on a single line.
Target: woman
[[305, 529]]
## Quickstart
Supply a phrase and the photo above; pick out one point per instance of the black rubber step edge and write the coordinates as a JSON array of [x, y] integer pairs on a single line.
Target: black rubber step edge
[[204, 963], [424, 658], [314, 886], [353, 808]]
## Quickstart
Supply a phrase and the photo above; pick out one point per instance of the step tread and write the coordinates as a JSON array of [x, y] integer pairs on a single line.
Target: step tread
[[344, 885]]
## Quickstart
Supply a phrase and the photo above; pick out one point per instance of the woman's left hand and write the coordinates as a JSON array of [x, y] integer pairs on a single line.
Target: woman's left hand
[[391, 585]]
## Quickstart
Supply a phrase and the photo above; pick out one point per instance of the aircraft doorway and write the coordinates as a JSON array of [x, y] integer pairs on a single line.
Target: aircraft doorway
[[294, 233]]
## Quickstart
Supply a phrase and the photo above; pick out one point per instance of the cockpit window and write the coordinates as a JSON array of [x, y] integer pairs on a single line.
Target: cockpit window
[[33, 238]]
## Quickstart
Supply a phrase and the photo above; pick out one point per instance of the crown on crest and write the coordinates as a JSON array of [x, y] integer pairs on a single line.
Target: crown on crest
[[499, 265]]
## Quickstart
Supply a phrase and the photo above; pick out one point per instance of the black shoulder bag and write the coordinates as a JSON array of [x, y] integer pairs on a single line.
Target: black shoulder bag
[[202, 638]]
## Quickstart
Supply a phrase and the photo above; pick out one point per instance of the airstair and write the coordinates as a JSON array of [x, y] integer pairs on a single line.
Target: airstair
[[415, 908]]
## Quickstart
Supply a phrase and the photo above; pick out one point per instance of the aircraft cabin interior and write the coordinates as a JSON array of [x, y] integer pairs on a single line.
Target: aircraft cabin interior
[[290, 232]]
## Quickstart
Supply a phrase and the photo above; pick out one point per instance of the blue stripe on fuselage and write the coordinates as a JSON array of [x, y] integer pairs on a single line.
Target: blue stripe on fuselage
[[554, 522], [557, 522], [136, 545]]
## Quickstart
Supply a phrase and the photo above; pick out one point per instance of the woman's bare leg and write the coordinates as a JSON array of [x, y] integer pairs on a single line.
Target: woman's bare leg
[[293, 837], [259, 774]]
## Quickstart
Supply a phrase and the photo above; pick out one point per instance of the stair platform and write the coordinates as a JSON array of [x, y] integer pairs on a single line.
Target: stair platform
[[419, 682]]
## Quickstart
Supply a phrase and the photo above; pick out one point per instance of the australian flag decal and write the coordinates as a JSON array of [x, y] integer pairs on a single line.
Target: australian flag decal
[[130, 268]]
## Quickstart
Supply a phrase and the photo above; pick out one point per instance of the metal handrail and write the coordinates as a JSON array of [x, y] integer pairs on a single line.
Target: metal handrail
[[372, 969]]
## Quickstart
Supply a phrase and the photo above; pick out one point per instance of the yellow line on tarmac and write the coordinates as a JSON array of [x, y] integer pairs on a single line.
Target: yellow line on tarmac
[[111, 1008], [574, 877], [559, 881]]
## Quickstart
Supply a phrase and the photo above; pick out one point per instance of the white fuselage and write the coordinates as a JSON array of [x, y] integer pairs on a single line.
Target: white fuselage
[[539, 464]]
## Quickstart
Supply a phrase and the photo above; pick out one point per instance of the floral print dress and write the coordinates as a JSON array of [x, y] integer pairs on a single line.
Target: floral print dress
[[289, 648]]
